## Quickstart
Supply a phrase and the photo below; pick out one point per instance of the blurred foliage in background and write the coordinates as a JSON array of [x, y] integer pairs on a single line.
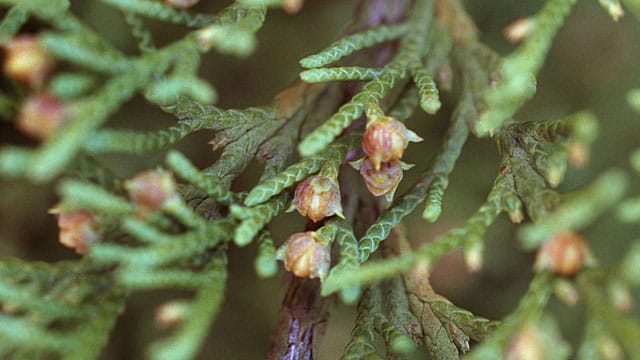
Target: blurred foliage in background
[[591, 66]]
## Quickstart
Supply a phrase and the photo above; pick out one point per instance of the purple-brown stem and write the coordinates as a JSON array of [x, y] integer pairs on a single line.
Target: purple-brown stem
[[302, 321]]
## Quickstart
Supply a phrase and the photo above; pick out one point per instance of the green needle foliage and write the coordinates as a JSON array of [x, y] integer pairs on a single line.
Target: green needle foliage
[[175, 232]]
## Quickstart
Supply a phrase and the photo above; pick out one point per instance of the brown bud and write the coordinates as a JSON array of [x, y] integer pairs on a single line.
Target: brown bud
[[181, 4], [26, 61], [563, 254], [383, 181], [41, 115], [317, 197], [152, 189], [305, 255], [386, 139], [78, 230]]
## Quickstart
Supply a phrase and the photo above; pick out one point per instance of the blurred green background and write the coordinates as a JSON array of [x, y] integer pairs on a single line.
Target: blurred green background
[[593, 63]]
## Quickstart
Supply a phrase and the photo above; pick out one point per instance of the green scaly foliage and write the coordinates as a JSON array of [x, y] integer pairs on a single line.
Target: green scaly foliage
[[427, 57]]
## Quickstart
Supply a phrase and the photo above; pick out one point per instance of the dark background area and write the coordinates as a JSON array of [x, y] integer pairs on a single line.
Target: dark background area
[[593, 63]]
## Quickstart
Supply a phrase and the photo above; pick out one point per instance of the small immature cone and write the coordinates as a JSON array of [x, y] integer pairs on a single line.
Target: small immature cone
[[305, 255], [620, 296], [26, 61], [472, 253], [613, 7], [444, 77], [171, 314], [383, 181], [609, 349], [578, 154], [41, 115], [566, 291], [526, 345], [519, 30], [181, 4], [564, 254], [386, 139], [152, 189], [78, 230], [317, 197], [513, 206], [292, 6]]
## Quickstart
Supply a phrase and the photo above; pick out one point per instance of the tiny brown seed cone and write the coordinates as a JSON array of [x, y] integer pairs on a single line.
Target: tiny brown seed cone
[[41, 115], [318, 197], [525, 345], [26, 61], [383, 181], [78, 230], [152, 189], [385, 140], [306, 256], [564, 254]]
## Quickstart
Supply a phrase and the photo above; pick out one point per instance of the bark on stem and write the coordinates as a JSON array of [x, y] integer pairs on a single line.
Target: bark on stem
[[302, 321]]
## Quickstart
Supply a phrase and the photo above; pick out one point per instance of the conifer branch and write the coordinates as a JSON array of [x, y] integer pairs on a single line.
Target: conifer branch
[[580, 209], [529, 309], [64, 81], [354, 42], [518, 69], [181, 166], [340, 73], [162, 12], [184, 343], [12, 22], [374, 91]]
